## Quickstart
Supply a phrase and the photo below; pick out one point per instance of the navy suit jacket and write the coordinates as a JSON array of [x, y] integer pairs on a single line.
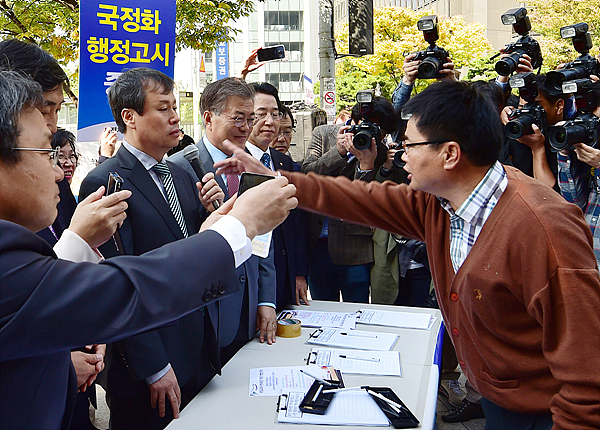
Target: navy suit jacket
[[290, 239], [43, 316], [258, 272], [149, 225]]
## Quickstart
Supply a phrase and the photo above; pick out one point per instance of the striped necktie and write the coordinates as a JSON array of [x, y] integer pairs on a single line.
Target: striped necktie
[[163, 172], [266, 160]]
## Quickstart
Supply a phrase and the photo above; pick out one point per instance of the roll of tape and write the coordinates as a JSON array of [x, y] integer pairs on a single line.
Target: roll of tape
[[288, 327]]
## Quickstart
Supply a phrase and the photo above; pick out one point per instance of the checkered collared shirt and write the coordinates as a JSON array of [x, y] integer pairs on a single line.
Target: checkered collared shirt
[[468, 220]]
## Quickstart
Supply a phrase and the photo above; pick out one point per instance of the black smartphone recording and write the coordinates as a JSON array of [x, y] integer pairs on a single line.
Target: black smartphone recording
[[115, 182], [276, 52], [249, 180]]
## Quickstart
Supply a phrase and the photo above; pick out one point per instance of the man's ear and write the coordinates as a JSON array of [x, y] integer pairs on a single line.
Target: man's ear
[[128, 117], [207, 116], [451, 154], [559, 106]]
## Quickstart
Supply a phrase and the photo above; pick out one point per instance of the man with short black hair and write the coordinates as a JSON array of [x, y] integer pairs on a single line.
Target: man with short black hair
[[512, 262]]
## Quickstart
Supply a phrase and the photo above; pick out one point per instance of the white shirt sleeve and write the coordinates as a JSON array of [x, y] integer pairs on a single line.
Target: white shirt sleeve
[[72, 247], [234, 232]]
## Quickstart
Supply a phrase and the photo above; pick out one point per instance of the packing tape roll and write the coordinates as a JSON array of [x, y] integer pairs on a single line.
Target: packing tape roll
[[288, 327]]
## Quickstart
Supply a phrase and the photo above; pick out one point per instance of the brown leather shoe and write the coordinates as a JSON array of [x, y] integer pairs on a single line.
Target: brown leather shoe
[[465, 412]]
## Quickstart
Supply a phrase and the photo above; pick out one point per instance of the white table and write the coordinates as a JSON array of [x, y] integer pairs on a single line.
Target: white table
[[225, 404]]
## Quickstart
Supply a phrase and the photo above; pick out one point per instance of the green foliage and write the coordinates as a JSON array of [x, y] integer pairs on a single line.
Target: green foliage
[[395, 36]]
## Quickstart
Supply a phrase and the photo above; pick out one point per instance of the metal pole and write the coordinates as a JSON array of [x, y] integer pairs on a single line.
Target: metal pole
[[327, 59]]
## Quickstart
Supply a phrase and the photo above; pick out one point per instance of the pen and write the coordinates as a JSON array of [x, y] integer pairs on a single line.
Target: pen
[[359, 358], [390, 402], [335, 390], [317, 393], [322, 381], [357, 335]]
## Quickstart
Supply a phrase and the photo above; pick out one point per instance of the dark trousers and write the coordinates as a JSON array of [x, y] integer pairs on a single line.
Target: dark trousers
[[498, 418], [326, 279], [413, 289]]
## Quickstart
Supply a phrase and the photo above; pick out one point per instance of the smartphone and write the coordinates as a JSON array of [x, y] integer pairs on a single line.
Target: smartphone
[[275, 52], [115, 182], [249, 180]]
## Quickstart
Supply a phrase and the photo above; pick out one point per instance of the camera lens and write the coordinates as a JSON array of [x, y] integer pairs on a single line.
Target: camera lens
[[507, 65], [398, 161], [564, 136], [519, 126], [429, 68], [362, 140]]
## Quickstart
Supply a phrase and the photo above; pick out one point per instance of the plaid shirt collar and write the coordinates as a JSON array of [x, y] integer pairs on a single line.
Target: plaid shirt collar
[[477, 207]]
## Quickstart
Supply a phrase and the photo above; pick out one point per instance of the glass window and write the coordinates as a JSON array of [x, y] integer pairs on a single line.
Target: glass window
[[283, 20], [273, 79]]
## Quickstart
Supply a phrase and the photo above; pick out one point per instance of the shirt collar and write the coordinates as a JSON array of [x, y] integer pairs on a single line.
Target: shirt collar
[[215, 153], [147, 161], [255, 151], [472, 209]]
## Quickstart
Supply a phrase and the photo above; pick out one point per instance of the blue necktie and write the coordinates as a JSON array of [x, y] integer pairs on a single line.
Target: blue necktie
[[266, 160]]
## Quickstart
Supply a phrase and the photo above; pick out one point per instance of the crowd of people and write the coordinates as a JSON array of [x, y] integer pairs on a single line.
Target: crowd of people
[[392, 223]]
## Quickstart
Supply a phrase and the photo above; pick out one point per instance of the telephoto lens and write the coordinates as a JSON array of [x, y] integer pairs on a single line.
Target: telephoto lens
[[584, 128], [508, 65]]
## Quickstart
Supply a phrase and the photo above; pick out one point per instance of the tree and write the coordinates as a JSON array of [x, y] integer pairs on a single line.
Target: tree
[[395, 36], [54, 24], [548, 16]]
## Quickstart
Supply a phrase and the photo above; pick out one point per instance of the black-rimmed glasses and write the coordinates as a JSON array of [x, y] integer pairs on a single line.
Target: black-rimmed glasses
[[405, 145], [53, 153]]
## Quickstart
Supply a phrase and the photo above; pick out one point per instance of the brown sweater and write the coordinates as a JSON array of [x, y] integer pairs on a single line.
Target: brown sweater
[[523, 310]]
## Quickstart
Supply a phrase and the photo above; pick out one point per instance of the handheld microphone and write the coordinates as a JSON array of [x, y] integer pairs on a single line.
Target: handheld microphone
[[190, 153]]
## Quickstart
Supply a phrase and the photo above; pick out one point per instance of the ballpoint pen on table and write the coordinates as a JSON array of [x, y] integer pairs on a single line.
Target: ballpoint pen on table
[[397, 407], [358, 358], [358, 335], [322, 381]]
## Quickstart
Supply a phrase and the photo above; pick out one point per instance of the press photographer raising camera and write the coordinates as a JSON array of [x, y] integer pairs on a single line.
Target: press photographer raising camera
[[579, 177]]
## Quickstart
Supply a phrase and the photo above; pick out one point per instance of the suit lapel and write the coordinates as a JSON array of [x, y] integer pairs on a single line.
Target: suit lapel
[[141, 179], [208, 163]]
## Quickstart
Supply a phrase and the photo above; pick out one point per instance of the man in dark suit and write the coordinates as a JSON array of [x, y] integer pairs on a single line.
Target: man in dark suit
[[289, 239], [227, 107], [341, 253], [114, 299], [169, 366]]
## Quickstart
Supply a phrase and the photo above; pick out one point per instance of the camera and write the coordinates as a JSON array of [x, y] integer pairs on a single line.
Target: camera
[[524, 45], [398, 162], [582, 67], [366, 130], [433, 58], [584, 128], [521, 120]]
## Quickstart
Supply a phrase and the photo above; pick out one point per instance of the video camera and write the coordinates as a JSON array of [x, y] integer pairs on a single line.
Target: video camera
[[524, 45], [521, 120], [433, 58], [366, 130], [582, 67]]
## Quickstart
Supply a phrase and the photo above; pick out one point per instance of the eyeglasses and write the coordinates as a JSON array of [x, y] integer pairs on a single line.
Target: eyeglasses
[[53, 153], [286, 133], [276, 115], [239, 121], [405, 145], [62, 158]]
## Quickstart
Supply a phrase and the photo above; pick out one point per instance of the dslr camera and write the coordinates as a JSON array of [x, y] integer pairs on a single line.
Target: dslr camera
[[582, 67], [585, 127], [523, 45], [433, 58], [366, 130], [521, 120]]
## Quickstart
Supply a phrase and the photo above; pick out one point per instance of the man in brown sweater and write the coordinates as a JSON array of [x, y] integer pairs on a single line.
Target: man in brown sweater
[[522, 307]]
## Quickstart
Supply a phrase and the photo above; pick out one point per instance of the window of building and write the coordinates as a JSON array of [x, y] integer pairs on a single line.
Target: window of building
[[283, 20]]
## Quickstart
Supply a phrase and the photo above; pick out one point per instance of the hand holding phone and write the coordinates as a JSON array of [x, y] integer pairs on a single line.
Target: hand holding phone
[[249, 180], [115, 182], [275, 52]]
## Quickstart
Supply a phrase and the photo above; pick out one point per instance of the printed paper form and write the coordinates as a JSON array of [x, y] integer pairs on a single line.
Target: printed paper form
[[357, 339], [322, 319], [346, 408], [396, 319], [272, 381], [359, 362]]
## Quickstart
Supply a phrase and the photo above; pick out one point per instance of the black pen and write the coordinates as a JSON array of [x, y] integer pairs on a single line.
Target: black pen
[[358, 335], [359, 358]]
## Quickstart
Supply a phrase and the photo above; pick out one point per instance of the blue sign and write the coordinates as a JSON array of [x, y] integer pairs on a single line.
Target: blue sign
[[222, 60], [115, 36]]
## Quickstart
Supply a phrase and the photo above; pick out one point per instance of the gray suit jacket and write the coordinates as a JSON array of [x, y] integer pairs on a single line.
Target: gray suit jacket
[[258, 273], [348, 243]]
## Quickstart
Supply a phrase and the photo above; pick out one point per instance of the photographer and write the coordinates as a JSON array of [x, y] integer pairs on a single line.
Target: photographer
[[538, 161], [340, 253], [578, 177]]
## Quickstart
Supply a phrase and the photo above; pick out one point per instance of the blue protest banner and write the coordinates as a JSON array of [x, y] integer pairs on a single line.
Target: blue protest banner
[[222, 60], [117, 35]]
